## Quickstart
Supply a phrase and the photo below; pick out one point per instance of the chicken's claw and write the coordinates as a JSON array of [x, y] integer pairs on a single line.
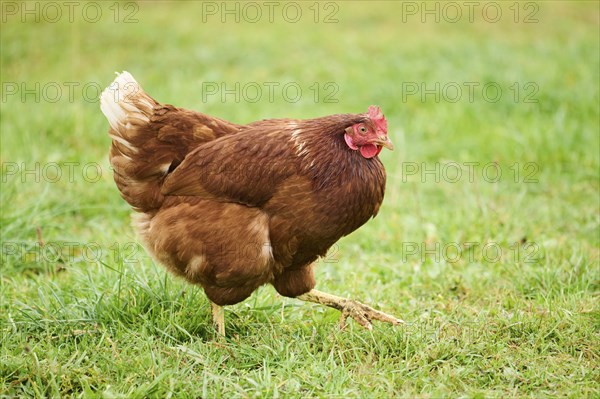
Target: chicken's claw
[[360, 312], [364, 314]]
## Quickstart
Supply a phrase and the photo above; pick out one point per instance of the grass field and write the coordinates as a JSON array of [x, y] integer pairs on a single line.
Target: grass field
[[487, 243]]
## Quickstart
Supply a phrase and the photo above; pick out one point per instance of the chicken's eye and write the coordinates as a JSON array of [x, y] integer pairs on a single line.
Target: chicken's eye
[[362, 129]]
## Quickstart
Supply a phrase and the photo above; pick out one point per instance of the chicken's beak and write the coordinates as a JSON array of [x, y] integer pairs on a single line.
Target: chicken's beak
[[384, 141]]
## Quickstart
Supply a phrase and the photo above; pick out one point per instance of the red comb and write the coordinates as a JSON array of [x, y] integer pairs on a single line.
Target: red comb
[[377, 117]]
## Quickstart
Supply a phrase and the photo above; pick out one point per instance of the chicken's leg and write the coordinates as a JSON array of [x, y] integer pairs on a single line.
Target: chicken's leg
[[363, 314], [218, 316]]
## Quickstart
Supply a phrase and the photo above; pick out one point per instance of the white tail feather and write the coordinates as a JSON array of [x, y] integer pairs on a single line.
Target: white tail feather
[[124, 100]]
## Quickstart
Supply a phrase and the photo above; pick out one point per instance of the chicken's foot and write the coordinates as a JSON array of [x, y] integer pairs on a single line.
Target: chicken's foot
[[218, 316], [362, 313]]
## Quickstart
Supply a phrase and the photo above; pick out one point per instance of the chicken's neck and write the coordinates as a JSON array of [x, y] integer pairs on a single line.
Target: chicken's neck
[[348, 187]]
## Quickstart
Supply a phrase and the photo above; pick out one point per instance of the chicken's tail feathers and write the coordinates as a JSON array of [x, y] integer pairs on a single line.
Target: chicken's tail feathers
[[150, 139], [125, 104], [137, 161]]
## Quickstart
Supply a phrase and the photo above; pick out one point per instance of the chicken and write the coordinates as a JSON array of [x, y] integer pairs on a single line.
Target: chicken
[[233, 207]]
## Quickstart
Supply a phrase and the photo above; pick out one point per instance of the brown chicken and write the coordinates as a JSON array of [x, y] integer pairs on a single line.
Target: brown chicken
[[232, 207]]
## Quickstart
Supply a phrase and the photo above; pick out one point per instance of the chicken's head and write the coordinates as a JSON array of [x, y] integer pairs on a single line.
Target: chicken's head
[[369, 136]]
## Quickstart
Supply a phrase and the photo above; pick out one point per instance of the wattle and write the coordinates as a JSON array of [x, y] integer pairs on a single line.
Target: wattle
[[369, 150]]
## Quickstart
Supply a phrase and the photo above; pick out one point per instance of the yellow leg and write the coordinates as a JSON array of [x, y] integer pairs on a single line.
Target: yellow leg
[[218, 315], [363, 314]]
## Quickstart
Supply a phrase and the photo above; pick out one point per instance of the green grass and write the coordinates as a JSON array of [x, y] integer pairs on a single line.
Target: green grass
[[88, 314]]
